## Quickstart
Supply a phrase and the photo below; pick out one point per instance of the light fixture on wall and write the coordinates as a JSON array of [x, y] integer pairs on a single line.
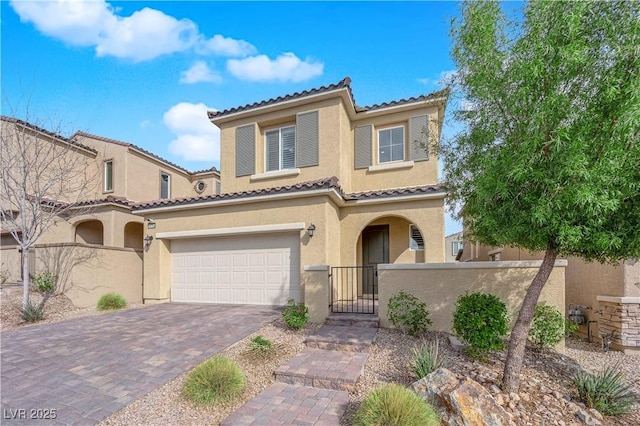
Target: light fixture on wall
[[151, 224], [147, 240], [311, 229]]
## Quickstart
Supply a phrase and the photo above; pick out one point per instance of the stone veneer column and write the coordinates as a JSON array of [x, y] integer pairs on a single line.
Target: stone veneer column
[[621, 318]]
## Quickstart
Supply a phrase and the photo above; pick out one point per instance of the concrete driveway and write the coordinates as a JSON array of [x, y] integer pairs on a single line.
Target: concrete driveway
[[88, 368]]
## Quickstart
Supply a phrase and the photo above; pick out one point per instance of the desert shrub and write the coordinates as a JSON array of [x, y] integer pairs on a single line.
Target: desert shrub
[[570, 327], [394, 405], [259, 346], [111, 301], [45, 282], [217, 379], [480, 321], [32, 312], [547, 327], [427, 358], [295, 315], [606, 391], [408, 313]]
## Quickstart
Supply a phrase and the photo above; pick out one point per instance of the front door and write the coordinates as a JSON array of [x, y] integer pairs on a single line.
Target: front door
[[375, 250]]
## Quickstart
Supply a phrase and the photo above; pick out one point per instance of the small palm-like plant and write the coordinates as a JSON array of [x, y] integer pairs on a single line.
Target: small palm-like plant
[[606, 391], [427, 358]]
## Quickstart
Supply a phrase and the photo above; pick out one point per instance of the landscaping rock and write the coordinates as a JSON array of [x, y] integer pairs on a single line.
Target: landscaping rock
[[586, 418]]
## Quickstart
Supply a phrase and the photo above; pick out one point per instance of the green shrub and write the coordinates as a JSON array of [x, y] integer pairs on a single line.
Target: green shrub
[[426, 359], [295, 315], [606, 391], [32, 312], [547, 327], [111, 301], [259, 346], [408, 313], [480, 321], [45, 282], [218, 379], [570, 327], [394, 405]]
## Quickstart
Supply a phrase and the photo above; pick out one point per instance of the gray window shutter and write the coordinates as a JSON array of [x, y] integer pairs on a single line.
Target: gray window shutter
[[245, 150], [363, 146], [419, 137], [273, 150], [307, 139]]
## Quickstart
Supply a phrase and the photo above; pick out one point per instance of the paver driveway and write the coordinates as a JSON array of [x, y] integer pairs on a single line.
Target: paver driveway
[[87, 368]]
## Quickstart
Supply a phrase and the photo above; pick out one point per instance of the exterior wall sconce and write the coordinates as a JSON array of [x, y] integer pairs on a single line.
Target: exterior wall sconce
[[147, 240], [151, 224], [311, 229]]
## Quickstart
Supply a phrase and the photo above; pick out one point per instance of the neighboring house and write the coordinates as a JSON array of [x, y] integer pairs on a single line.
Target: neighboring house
[[452, 245], [607, 296], [106, 242], [309, 179]]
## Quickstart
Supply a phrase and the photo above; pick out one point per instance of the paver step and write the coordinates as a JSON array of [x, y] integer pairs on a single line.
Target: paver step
[[341, 338], [353, 320], [323, 368], [284, 404]]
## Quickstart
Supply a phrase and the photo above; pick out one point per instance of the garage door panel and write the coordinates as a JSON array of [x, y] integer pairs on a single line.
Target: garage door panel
[[250, 270]]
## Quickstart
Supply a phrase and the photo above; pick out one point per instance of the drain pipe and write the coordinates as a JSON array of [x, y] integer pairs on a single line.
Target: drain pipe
[[589, 330]]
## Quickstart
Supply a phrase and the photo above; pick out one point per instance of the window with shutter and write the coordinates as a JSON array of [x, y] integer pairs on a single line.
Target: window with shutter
[[391, 144], [362, 147], [419, 138], [245, 150], [280, 148], [416, 242], [307, 139]]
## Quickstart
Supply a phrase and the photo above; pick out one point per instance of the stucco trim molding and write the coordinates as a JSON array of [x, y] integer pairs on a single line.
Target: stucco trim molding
[[241, 230], [470, 265], [391, 166], [312, 268], [620, 300], [275, 174]]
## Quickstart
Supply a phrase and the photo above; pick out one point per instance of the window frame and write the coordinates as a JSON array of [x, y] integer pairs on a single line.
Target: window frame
[[404, 143], [104, 176], [162, 173], [411, 239], [280, 156], [459, 244]]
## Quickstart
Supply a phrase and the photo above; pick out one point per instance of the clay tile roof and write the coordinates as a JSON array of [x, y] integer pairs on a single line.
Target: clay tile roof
[[142, 150], [344, 83], [396, 192], [110, 199], [325, 183], [212, 169], [434, 95], [46, 132]]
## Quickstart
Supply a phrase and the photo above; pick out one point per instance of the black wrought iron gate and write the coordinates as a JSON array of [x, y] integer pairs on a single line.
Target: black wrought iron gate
[[353, 289]]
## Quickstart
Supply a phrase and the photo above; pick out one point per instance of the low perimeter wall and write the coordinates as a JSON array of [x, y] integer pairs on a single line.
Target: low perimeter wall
[[440, 284], [86, 272]]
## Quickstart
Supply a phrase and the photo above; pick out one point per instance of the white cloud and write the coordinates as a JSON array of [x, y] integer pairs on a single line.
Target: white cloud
[[146, 34], [197, 139], [445, 78], [226, 46], [198, 73], [145, 124], [286, 67]]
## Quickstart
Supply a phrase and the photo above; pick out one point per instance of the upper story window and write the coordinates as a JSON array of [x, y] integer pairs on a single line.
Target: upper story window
[[391, 144], [165, 185], [280, 150], [416, 242], [108, 176], [456, 246]]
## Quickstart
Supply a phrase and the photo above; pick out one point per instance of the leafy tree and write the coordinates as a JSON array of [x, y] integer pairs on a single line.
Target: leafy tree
[[549, 159]]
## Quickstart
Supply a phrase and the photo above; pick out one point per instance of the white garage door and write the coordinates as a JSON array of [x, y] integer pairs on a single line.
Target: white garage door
[[256, 270]]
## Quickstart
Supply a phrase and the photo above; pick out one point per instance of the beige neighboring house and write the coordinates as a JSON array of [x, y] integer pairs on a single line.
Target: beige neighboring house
[[452, 245], [607, 296], [102, 250], [310, 179]]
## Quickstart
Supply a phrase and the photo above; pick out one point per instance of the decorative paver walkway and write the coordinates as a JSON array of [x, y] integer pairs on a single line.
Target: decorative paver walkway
[[88, 368], [315, 380]]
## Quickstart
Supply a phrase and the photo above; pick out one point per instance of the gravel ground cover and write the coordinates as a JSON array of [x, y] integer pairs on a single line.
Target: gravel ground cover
[[546, 395]]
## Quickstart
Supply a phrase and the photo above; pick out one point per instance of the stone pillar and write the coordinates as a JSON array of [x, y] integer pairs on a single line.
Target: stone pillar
[[621, 319], [316, 291]]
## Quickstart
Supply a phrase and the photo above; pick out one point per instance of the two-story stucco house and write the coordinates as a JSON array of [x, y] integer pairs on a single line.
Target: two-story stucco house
[[308, 179], [105, 241]]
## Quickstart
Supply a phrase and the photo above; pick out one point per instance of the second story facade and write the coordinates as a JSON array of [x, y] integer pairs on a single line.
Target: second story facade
[[321, 132]]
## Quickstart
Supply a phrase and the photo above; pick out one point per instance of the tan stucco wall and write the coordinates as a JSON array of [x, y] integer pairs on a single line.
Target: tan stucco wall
[[440, 285], [316, 291], [87, 272], [10, 259], [336, 150], [632, 278]]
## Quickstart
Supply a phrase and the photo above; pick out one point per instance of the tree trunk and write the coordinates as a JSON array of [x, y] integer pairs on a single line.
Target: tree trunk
[[25, 276], [520, 332]]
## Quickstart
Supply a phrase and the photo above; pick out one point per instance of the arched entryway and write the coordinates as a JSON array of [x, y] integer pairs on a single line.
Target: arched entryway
[[133, 234], [90, 232]]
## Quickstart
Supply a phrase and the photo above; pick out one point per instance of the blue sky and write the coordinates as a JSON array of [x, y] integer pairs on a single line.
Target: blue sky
[[145, 72]]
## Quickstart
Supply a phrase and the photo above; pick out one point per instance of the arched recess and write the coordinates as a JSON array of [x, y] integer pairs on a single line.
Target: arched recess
[[90, 232], [133, 234], [390, 239]]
